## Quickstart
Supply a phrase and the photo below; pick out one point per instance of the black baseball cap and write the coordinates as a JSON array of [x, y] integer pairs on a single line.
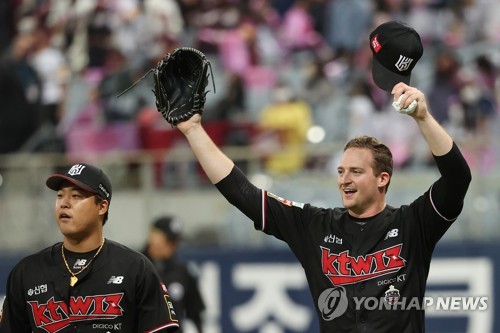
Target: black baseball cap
[[84, 176], [396, 49], [170, 226]]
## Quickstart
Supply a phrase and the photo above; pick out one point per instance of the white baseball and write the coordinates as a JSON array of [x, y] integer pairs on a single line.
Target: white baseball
[[409, 110]]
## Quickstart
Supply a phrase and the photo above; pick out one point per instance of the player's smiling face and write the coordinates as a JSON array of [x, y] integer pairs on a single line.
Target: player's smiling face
[[77, 213], [361, 190]]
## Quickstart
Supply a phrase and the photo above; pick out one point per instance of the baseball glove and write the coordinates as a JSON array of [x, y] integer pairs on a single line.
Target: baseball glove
[[180, 81]]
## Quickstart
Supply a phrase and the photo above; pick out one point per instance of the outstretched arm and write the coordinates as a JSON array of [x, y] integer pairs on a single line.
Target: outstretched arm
[[439, 141], [448, 192], [213, 161], [230, 181]]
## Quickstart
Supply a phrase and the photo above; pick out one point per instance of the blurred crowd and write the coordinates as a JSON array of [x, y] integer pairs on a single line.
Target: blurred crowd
[[288, 73]]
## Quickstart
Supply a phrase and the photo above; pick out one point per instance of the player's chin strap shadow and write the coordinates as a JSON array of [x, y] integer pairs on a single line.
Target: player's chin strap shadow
[[154, 69]]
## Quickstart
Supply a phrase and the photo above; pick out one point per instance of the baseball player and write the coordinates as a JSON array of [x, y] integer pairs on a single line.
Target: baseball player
[[367, 249], [163, 242], [85, 283]]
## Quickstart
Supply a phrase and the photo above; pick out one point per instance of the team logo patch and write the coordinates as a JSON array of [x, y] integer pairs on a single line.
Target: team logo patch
[[342, 269], [76, 170], [54, 316], [403, 63], [170, 306], [391, 295], [285, 201], [376, 44]]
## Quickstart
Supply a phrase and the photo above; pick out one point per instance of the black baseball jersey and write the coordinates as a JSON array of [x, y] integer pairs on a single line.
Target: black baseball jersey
[[183, 288], [120, 291], [365, 275]]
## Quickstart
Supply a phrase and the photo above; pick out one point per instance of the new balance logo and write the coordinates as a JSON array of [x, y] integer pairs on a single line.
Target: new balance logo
[[391, 233], [115, 280], [79, 263]]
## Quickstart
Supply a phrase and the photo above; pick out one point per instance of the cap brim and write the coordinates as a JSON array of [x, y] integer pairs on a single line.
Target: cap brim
[[54, 183], [385, 79]]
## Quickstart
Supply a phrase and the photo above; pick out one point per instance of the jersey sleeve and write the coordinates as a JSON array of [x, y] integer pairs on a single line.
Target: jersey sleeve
[[242, 194], [270, 213], [440, 206], [261, 206], [15, 315], [155, 310], [448, 193]]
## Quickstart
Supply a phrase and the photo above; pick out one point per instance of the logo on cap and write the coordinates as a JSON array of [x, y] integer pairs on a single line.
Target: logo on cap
[[103, 189], [403, 63], [396, 49], [376, 44], [76, 170]]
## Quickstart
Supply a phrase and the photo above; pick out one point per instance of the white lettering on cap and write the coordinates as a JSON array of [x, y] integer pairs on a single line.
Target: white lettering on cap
[[76, 170], [403, 63], [102, 188]]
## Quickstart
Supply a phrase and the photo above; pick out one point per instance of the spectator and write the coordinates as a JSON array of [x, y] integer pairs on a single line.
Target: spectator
[[286, 122], [17, 115], [297, 31], [50, 64], [118, 76], [347, 22], [445, 86], [362, 112], [17, 59]]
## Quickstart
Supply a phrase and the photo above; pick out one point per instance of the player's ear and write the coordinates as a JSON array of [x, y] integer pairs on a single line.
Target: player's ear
[[383, 179], [102, 204]]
